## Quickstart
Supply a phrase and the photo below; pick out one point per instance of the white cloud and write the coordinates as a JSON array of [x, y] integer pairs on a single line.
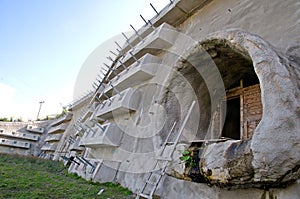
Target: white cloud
[[12, 106], [54, 100], [7, 92], [6, 96]]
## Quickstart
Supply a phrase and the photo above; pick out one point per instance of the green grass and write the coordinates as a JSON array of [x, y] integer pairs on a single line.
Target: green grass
[[29, 177]]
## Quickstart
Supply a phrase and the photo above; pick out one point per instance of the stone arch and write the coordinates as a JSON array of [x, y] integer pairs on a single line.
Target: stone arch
[[273, 153]]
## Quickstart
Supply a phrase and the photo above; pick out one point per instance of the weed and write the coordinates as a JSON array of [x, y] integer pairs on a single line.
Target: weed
[[29, 177]]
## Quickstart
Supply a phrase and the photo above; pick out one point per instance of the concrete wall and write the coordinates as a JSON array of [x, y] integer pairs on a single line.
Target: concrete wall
[[168, 95], [179, 78], [277, 22], [20, 133], [178, 189]]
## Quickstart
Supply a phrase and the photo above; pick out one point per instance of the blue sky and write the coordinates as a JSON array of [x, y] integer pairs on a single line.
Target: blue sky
[[45, 43]]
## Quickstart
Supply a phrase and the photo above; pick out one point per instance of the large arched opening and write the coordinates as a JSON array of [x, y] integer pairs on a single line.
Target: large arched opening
[[262, 99], [234, 112]]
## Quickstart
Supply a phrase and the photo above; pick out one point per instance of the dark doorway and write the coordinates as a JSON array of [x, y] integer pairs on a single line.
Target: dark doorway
[[231, 128]]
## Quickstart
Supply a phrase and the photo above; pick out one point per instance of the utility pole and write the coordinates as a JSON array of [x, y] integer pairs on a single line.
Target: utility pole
[[41, 103]]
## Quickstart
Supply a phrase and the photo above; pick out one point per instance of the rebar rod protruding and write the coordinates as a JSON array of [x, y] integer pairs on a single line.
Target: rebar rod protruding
[[136, 32], [79, 126], [127, 40], [88, 162], [107, 97], [113, 53], [144, 19], [122, 64], [110, 59], [76, 127], [91, 129], [152, 26], [135, 59], [111, 69], [95, 86], [118, 45], [154, 9], [99, 80], [116, 90], [105, 70], [96, 122], [122, 54], [99, 100]]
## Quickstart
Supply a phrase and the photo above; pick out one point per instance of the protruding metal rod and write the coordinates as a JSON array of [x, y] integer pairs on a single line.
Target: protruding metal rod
[[116, 90], [104, 74], [88, 162], [122, 64], [103, 69], [96, 122], [107, 97], [136, 32], [99, 80], [154, 9], [151, 24], [135, 59], [95, 85], [118, 45], [81, 113], [110, 59], [107, 66], [122, 54], [112, 70], [98, 99], [76, 127], [85, 164], [113, 53], [71, 141], [144, 19], [124, 35], [91, 129], [127, 40]]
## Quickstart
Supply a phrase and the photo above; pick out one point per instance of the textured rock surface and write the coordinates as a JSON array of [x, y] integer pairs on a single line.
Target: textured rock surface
[[276, 141], [228, 163]]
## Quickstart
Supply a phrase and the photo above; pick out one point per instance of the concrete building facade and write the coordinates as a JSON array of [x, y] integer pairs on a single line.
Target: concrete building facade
[[238, 62]]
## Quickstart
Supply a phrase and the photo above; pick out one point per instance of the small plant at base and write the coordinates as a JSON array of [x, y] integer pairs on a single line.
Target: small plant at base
[[187, 158]]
